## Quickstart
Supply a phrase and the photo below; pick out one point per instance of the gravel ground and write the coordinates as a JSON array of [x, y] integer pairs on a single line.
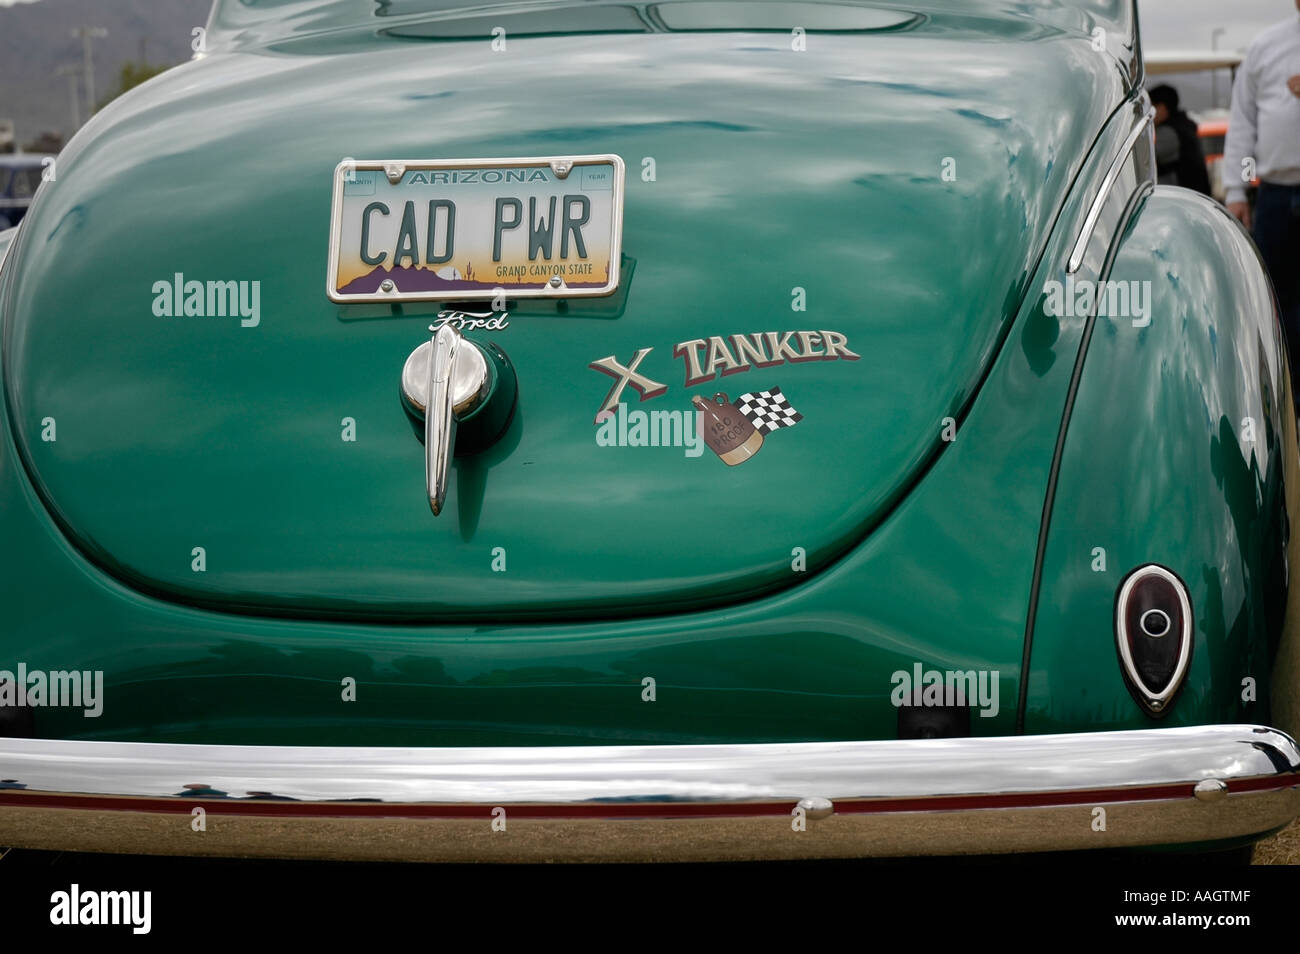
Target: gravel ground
[[1282, 849]]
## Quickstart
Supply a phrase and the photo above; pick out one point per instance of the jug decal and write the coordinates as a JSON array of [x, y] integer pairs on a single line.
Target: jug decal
[[735, 431]]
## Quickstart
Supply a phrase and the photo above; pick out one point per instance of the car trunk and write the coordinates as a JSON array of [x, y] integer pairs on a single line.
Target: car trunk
[[849, 199]]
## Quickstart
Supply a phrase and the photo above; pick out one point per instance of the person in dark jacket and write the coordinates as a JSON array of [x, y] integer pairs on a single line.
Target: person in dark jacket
[[1189, 169]]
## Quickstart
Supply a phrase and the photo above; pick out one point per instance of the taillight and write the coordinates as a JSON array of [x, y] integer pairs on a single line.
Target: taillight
[[1153, 635]]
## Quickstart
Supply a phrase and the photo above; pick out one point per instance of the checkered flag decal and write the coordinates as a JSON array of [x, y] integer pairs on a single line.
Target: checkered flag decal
[[768, 410]]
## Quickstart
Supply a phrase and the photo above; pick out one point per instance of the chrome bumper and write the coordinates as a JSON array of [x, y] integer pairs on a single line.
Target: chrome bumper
[[652, 803]]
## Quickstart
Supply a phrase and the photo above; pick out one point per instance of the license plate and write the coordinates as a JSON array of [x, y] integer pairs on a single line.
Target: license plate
[[475, 229]]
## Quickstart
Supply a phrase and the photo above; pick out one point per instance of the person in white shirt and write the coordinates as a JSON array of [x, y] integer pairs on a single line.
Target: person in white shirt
[[1264, 142]]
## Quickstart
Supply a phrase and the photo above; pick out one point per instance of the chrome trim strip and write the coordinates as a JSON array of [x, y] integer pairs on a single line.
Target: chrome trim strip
[[629, 802], [1103, 193]]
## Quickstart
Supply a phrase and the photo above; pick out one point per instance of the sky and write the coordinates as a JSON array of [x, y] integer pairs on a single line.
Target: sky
[[1188, 25], [1179, 24]]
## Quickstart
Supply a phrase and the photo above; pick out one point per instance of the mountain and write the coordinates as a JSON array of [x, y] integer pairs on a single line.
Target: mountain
[[35, 40], [420, 279]]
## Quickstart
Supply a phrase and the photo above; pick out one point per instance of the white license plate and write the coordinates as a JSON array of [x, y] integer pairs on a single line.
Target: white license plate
[[475, 229]]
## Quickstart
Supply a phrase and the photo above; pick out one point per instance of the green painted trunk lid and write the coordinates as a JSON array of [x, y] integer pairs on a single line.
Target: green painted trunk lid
[[854, 189]]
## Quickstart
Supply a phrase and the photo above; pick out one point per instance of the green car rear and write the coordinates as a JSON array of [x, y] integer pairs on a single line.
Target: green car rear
[[906, 601]]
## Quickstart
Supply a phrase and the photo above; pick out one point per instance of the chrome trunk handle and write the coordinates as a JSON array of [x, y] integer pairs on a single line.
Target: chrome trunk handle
[[439, 420], [446, 379]]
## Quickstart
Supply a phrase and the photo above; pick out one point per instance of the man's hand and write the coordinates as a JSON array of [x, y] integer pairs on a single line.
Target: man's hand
[[1241, 212], [1293, 84]]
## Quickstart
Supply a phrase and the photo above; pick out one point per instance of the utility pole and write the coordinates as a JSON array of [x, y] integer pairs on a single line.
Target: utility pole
[[86, 34], [72, 71], [1214, 73]]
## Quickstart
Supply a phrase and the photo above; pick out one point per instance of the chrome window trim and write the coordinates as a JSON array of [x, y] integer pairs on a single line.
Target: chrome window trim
[[4, 254], [1103, 193]]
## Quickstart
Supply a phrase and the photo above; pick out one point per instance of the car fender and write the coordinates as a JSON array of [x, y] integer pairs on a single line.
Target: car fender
[[1180, 450]]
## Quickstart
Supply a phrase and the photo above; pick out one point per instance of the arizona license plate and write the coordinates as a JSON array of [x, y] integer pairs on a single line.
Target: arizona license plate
[[475, 229]]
